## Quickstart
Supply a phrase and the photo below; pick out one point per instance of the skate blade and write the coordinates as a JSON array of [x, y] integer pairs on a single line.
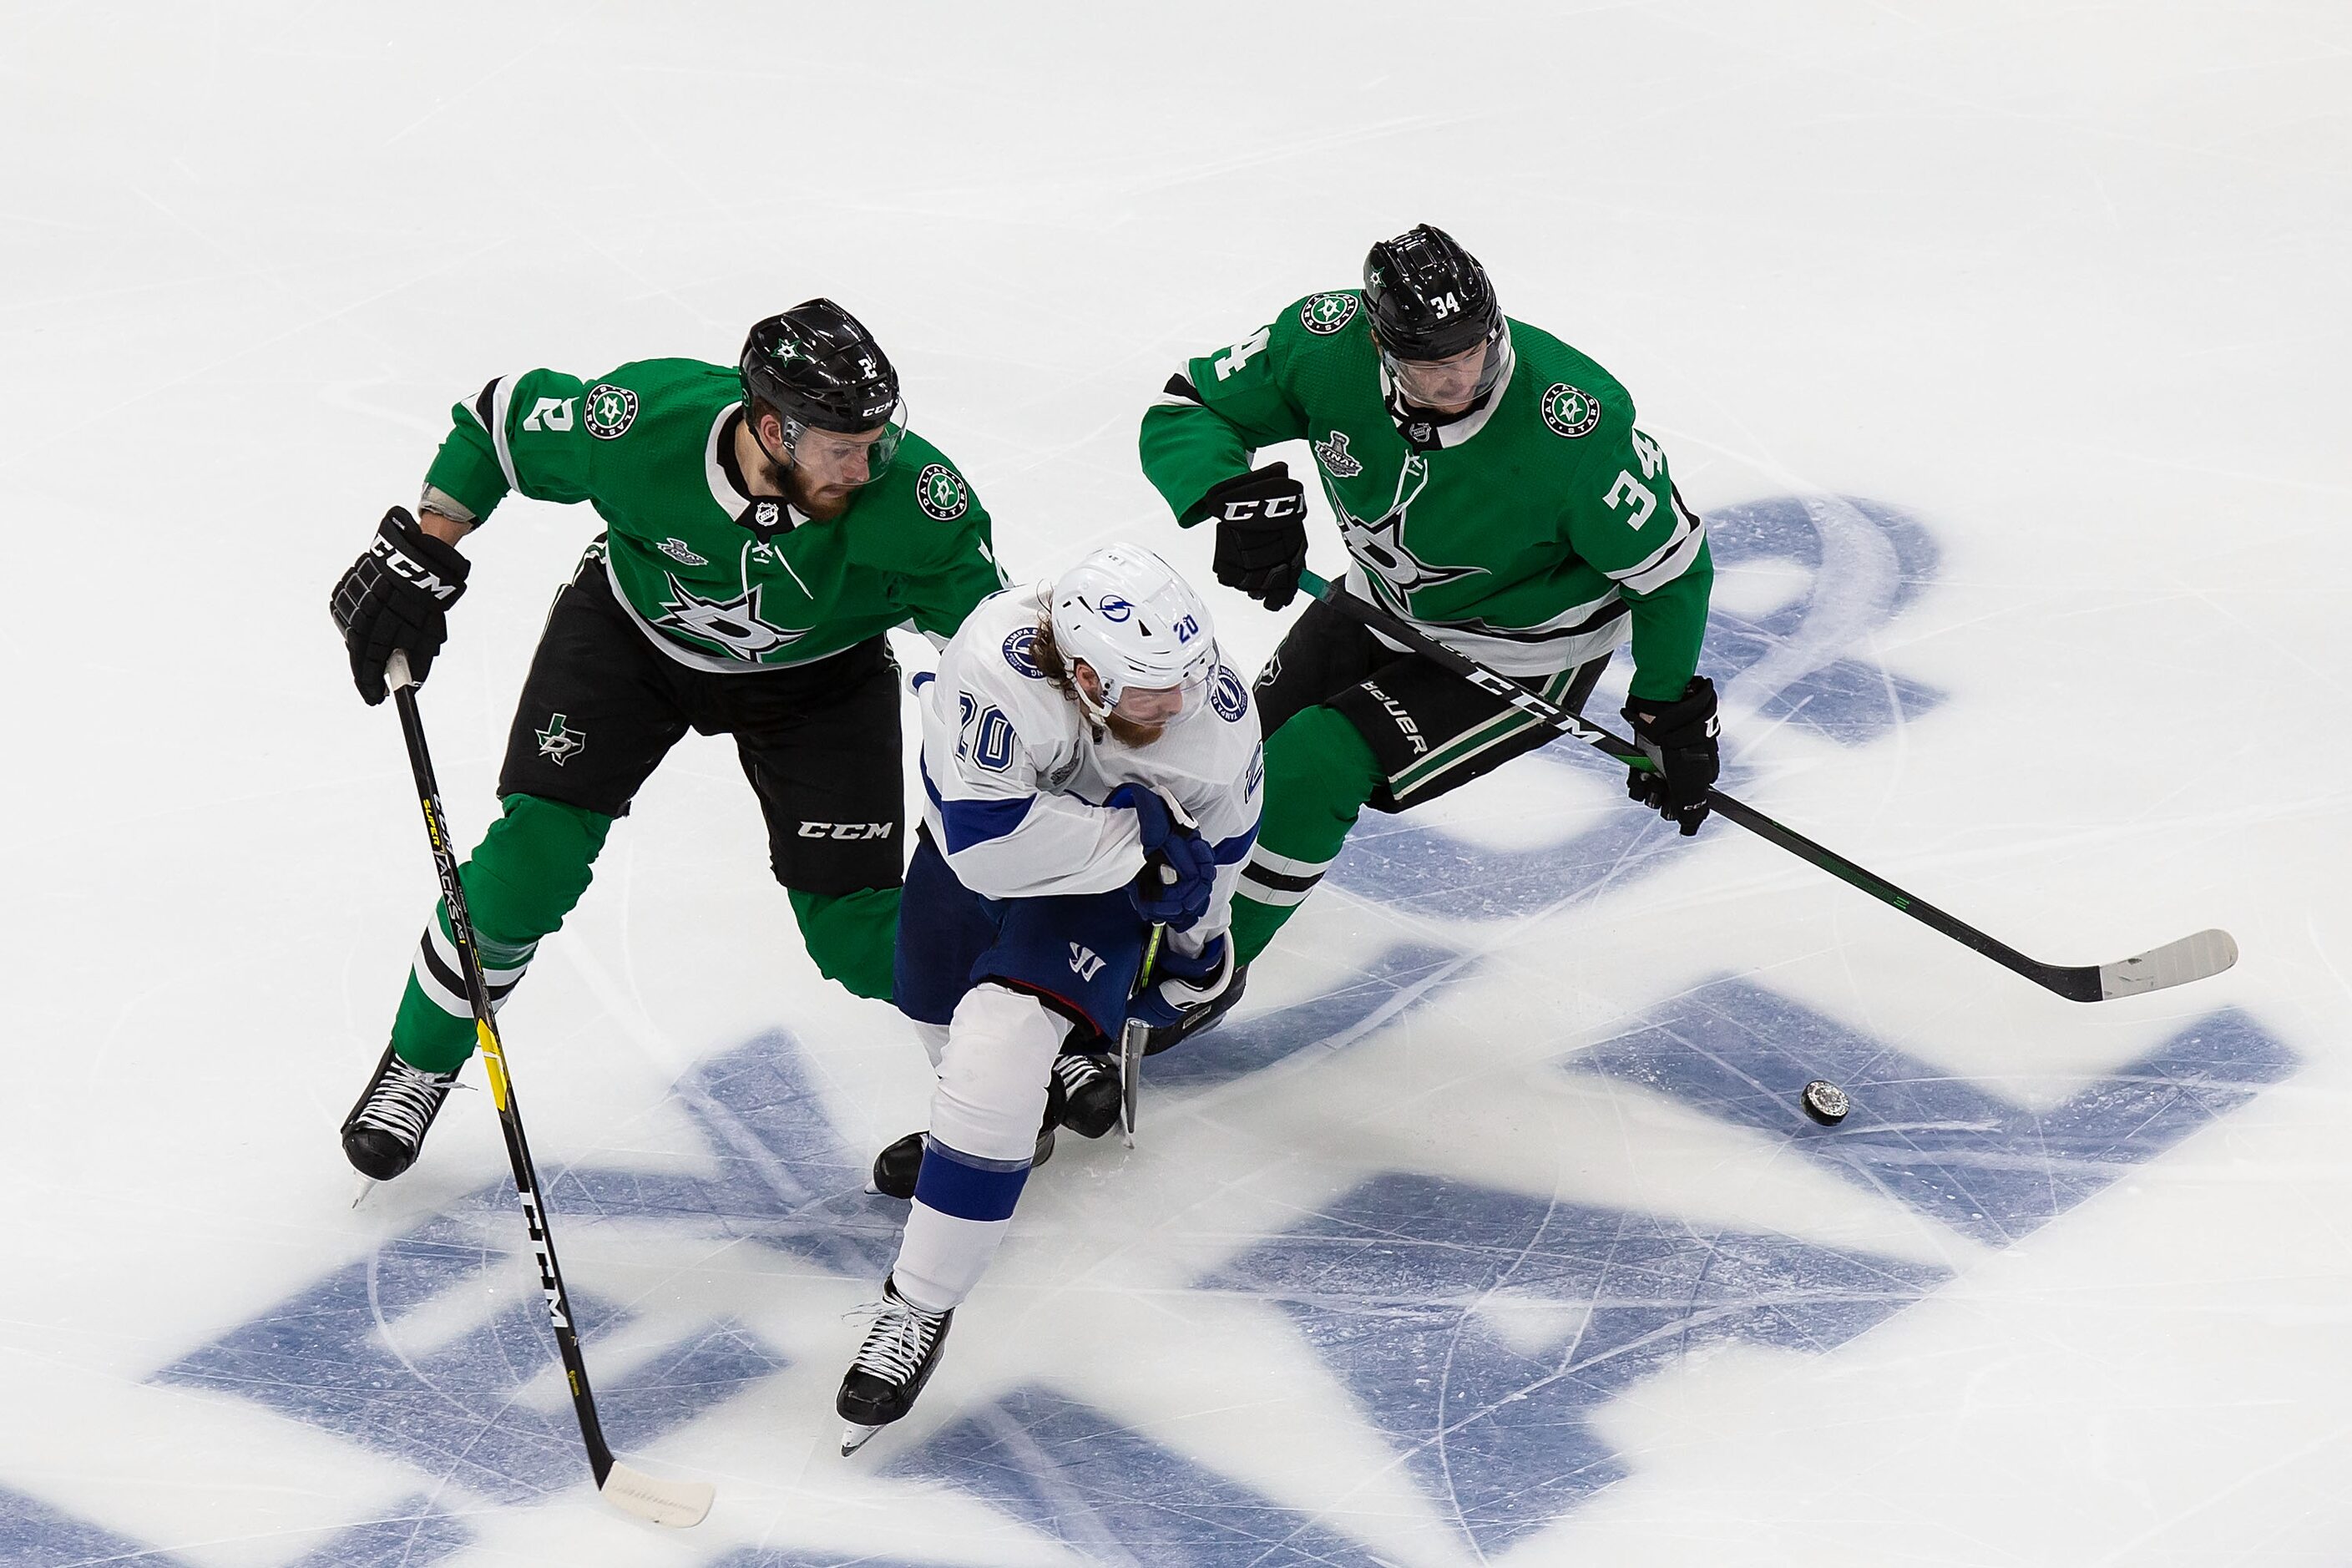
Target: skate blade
[[853, 1437]]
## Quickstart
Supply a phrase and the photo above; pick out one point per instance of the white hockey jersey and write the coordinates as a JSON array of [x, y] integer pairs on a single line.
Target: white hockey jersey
[[1014, 778]]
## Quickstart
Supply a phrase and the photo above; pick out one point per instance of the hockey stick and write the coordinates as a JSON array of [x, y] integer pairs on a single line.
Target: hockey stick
[[678, 1503], [1133, 1035], [2207, 953]]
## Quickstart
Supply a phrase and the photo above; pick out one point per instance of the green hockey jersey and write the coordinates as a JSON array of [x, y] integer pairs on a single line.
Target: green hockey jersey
[[1533, 533], [718, 579]]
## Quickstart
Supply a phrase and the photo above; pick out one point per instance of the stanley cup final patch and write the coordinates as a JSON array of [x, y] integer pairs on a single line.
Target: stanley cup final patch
[[1570, 411]]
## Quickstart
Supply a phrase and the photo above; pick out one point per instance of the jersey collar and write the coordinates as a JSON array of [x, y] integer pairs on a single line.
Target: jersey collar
[[727, 491], [1422, 434]]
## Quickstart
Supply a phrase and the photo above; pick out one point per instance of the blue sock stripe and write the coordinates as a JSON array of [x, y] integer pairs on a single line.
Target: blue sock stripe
[[967, 1186]]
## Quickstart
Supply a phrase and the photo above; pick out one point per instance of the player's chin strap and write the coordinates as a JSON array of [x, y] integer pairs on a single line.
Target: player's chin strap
[[2177, 962]]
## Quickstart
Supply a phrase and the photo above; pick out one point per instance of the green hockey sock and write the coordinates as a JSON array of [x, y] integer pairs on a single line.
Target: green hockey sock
[[1319, 773], [851, 937], [524, 878]]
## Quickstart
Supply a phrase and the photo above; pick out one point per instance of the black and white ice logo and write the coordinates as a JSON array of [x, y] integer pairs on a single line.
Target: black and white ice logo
[[558, 745], [734, 625]]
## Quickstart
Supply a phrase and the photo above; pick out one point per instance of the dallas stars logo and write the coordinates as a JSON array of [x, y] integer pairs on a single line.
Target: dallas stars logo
[[1381, 548], [558, 744], [1324, 314], [611, 410], [940, 492], [735, 625], [1570, 411]]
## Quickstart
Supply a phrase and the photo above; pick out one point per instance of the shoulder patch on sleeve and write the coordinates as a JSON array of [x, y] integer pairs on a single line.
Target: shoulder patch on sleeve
[[1570, 411], [1326, 313], [612, 409], [1021, 651], [940, 491], [1228, 696]]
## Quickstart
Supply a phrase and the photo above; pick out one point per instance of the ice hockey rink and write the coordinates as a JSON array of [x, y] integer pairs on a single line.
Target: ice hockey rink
[[2001, 345]]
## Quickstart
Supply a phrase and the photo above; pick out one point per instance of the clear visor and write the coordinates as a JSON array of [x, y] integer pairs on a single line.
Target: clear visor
[[1454, 381], [832, 460], [1161, 705]]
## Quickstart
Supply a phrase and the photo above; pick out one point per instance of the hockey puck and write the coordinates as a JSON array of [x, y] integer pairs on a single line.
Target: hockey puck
[[1825, 1102]]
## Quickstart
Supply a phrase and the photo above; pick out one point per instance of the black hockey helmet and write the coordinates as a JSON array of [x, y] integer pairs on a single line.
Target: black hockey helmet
[[1427, 297], [819, 368]]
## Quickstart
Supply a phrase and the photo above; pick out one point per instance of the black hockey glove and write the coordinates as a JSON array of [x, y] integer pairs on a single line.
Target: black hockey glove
[[1261, 533], [396, 595], [1679, 737]]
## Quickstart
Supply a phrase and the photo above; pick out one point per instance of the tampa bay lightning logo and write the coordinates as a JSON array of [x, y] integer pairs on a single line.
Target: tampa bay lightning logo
[[1021, 651], [1227, 696], [1114, 608]]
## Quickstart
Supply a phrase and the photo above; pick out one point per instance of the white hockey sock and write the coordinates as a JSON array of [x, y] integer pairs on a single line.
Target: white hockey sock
[[984, 1117]]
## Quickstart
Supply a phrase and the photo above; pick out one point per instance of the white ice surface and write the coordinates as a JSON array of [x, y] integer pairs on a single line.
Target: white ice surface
[[2065, 285]]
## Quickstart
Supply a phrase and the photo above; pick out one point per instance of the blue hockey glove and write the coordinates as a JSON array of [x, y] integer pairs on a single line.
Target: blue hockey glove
[[1179, 983], [1178, 868]]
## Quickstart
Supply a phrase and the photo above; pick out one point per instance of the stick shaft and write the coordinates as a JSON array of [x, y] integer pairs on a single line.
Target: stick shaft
[[526, 1177], [2077, 984]]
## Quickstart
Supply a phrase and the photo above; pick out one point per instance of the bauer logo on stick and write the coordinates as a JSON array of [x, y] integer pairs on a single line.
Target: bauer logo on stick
[[1570, 411]]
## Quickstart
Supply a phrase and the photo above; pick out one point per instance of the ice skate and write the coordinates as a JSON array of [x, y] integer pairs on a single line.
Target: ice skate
[[901, 1349], [387, 1127]]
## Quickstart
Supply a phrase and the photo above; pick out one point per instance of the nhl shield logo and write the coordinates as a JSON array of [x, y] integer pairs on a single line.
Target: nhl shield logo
[[1324, 314], [611, 410], [1570, 411], [940, 491]]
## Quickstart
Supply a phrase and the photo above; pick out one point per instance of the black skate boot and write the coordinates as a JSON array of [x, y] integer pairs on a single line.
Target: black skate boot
[[901, 1349], [896, 1168], [1089, 1093], [386, 1128]]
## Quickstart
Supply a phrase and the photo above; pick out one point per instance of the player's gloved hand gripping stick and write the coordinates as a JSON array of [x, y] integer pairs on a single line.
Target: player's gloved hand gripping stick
[[1167, 831], [678, 1503], [2207, 952]]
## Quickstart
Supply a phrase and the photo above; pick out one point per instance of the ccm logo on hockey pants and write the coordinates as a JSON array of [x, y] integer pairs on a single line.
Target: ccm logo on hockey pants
[[854, 830]]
